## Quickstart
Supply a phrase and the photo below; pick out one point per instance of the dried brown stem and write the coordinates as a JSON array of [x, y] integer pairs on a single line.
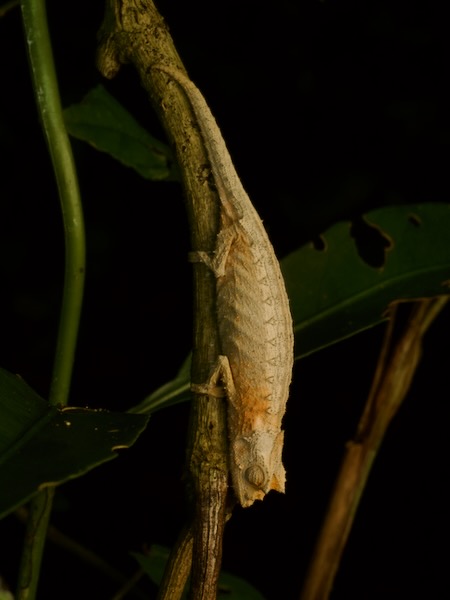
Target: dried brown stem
[[395, 370], [178, 567], [134, 32]]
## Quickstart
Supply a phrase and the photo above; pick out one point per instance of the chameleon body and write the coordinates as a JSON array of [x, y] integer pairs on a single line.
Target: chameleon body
[[254, 321]]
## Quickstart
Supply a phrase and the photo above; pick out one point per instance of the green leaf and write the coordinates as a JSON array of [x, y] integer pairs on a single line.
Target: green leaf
[[41, 445], [230, 586], [175, 391], [234, 588], [153, 563], [104, 123], [335, 293]]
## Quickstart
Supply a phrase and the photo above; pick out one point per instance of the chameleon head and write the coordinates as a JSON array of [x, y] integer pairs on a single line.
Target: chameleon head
[[257, 466]]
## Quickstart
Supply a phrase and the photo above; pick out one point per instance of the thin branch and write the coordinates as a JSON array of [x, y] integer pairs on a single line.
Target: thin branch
[[129, 587], [178, 567], [395, 370], [134, 32]]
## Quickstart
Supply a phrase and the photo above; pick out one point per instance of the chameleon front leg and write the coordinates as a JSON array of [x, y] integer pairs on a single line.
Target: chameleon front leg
[[217, 261], [220, 381]]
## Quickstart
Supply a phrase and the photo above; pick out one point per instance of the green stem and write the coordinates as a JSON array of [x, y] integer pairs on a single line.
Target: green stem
[[49, 105], [33, 546], [50, 110]]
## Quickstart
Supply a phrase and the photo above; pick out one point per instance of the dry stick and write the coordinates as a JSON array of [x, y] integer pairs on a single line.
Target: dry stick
[[178, 567], [134, 32], [392, 380]]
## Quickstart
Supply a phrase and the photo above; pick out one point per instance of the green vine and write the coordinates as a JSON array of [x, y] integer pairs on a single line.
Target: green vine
[[50, 111]]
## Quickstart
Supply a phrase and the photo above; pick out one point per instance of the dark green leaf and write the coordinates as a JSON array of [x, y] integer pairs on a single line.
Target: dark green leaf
[[102, 122], [334, 293], [175, 391], [234, 588], [42, 445], [153, 563]]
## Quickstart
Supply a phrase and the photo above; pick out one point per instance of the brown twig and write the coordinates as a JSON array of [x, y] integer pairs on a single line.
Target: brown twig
[[178, 567], [396, 367], [134, 32]]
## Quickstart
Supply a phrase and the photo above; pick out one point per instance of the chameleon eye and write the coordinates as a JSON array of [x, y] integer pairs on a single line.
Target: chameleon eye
[[256, 476]]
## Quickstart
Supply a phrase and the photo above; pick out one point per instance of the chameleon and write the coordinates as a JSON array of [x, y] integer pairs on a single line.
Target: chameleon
[[255, 327]]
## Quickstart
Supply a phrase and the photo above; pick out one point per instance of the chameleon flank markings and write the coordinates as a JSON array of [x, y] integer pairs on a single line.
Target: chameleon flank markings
[[254, 321]]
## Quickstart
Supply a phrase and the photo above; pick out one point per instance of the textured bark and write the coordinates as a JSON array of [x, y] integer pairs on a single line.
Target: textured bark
[[134, 32]]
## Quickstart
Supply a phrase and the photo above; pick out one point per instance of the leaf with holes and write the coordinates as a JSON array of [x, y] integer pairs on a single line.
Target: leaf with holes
[[394, 254]]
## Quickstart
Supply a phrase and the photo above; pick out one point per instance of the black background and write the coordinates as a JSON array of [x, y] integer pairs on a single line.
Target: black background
[[329, 109]]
